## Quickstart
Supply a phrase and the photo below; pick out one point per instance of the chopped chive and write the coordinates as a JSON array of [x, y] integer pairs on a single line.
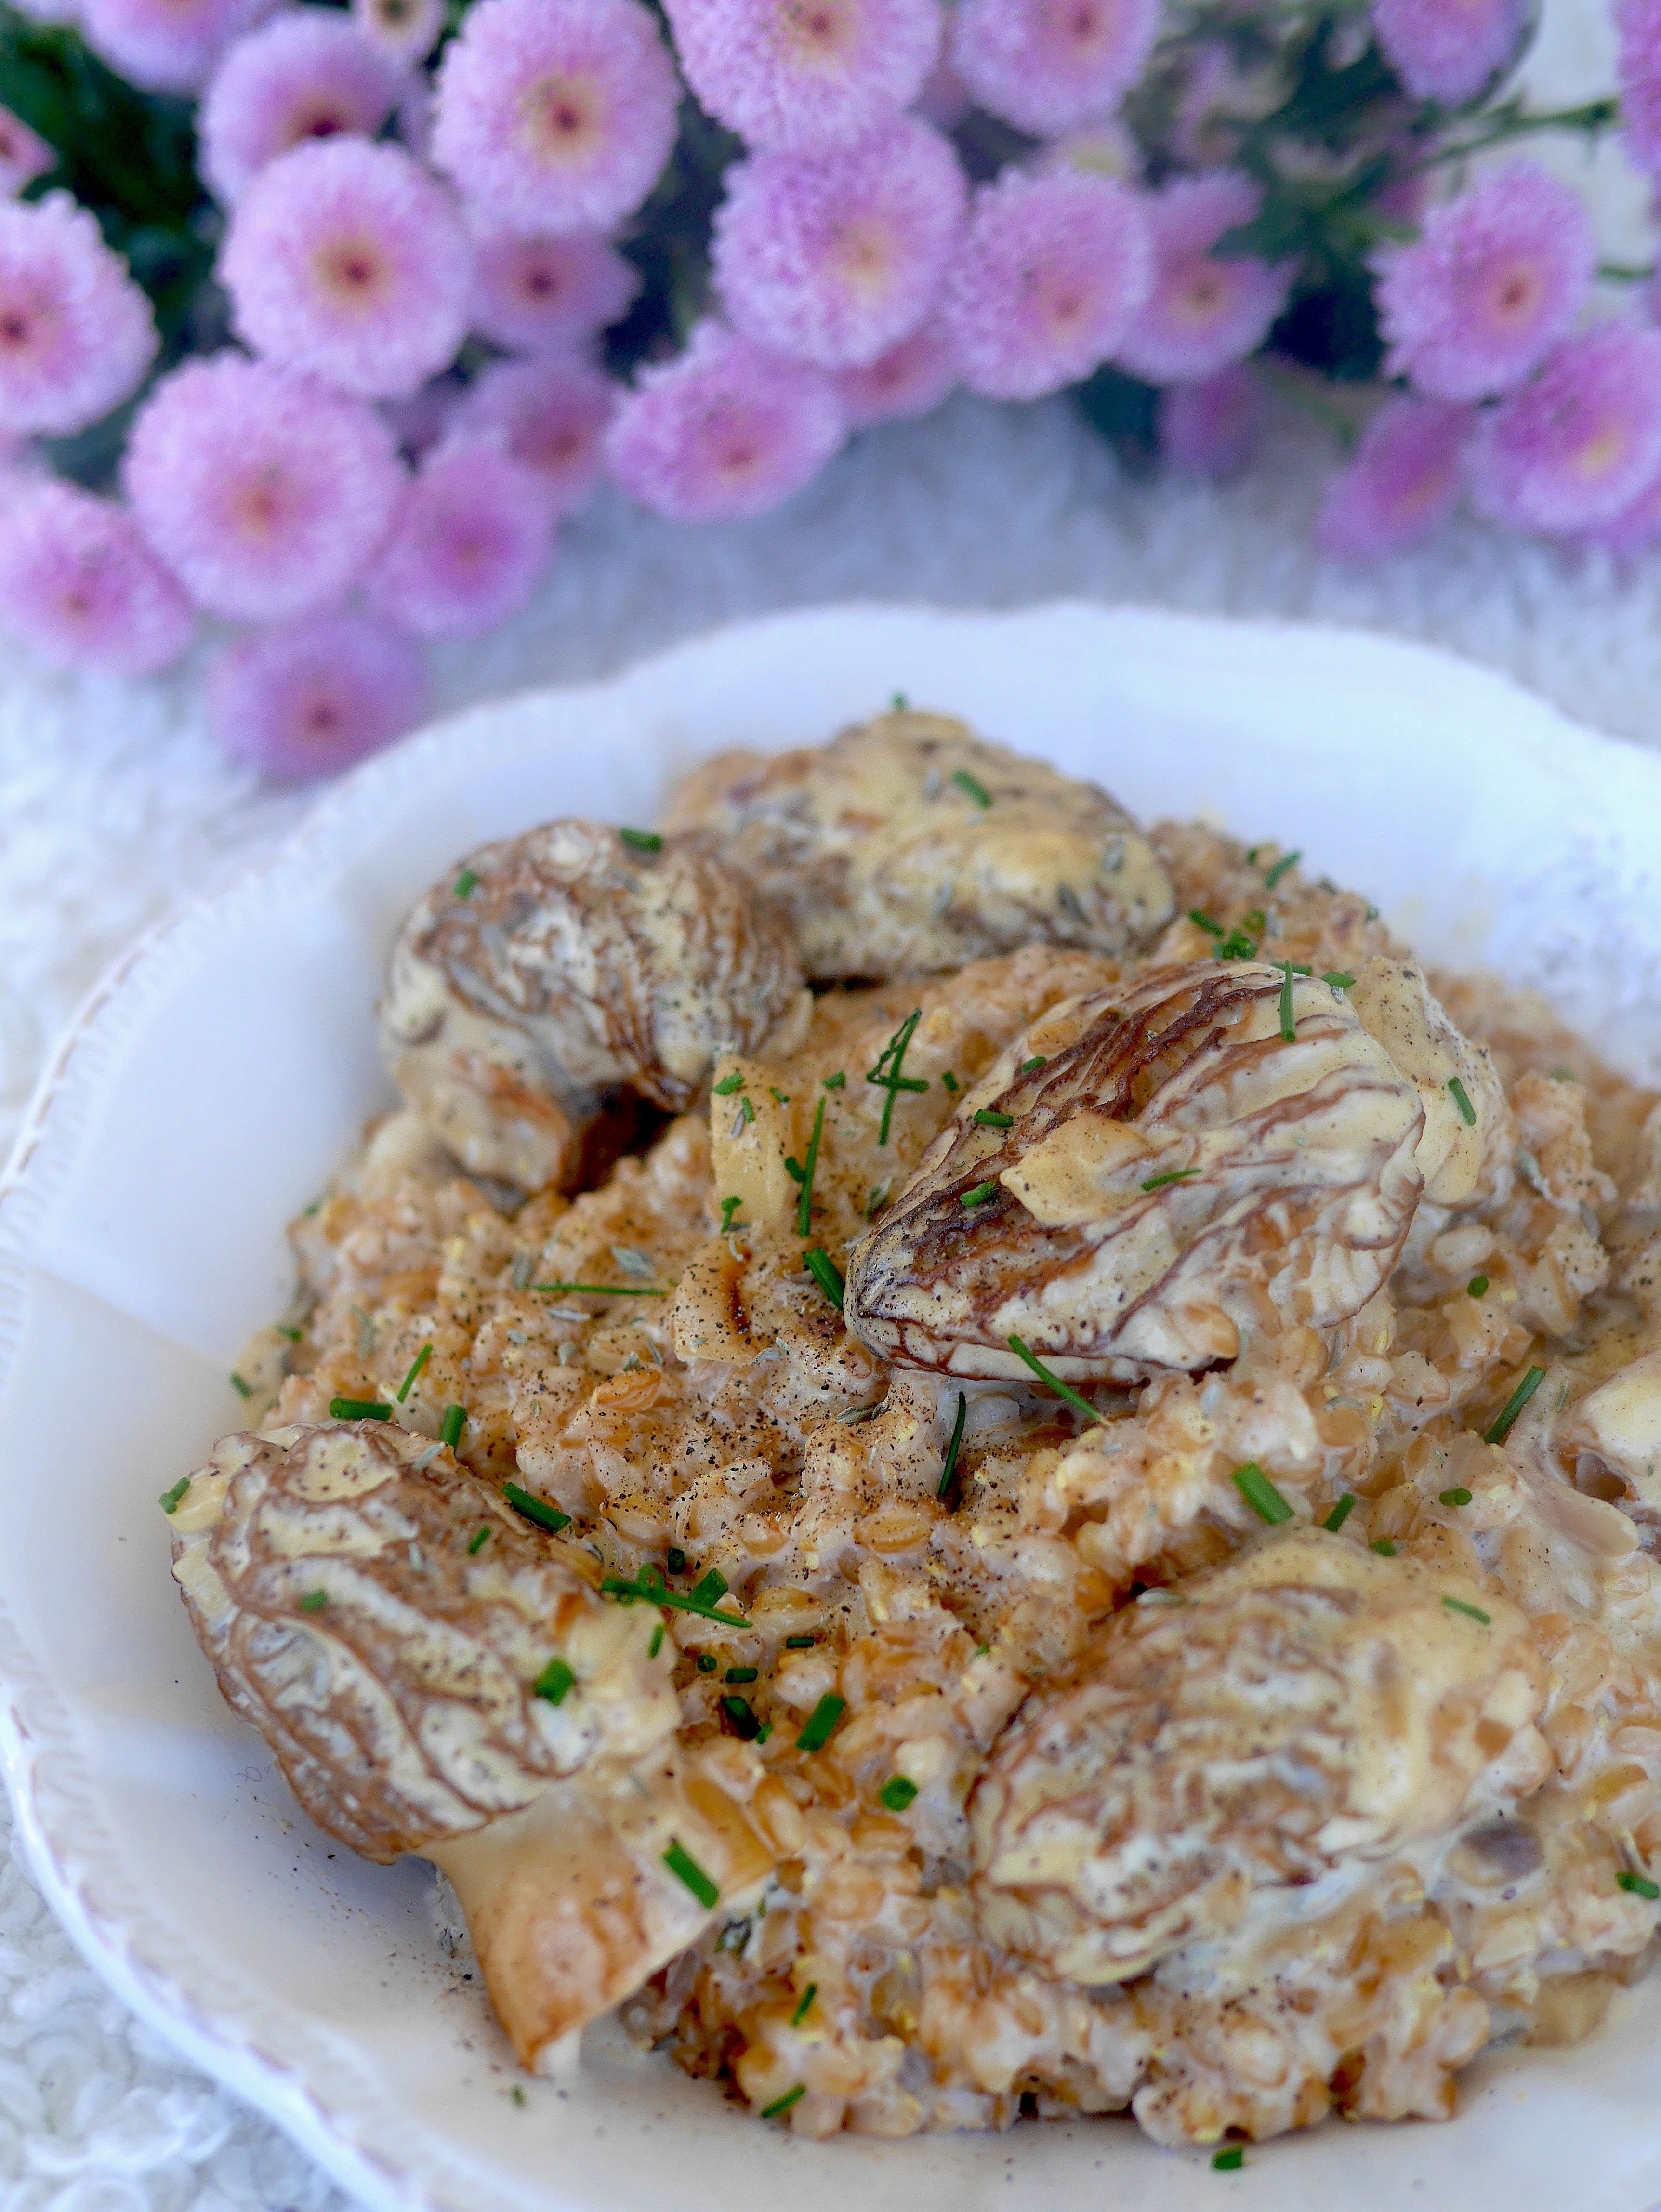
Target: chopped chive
[[1176, 1174], [950, 1080], [1251, 853], [826, 1274], [706, 1663], [781, 2104], [1212, 928], [804, 1203], [781, 1098], [835, 1082], [675, 1559], [517, 2093], [313, 1601], [359, 1409], [729, 1083], [242, 1389], [555, 1682], [603, 1290], [1230, 2160], [1030, 1067], [981, 1192], [1470, 1612], [685, 1868], [283, 1329], [1337, 978], [656, 1643], [416, 1366], [792, 1166], [1384, 1548], [644, 840], [1272, 876], [169, 1498], [746, 1114], [454, 1421], [1061, 1389], [802, 2009], [1341, 1512], [647, 1592], [1477, 1287], [799, 1643], [985, 1118], [1462, 1100], [763, 1731], [971, 784], [900, 703], [1288, 1018], [1238, 946], [478, 1539], [740, 1674], [897, 1793], [1638, 1884], [821, 1721], [887, 1074], [535, 1509], [1514, 1405], [1261, 1495], [710, 1587], [745, 1726], [1460, 1497], [465, 884], [729, 1206], [951, 1467]]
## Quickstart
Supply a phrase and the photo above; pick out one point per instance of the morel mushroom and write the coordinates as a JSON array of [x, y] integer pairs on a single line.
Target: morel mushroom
[[555, 968], [1309, 1703], [910, 845], [435, 1674], [1465, 1149], [1145, 1172]]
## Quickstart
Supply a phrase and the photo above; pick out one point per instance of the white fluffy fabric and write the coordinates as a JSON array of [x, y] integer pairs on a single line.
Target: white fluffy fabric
[[114, 805]]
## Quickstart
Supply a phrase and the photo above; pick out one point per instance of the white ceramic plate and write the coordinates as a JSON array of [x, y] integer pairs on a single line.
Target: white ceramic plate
[[219, 1075]]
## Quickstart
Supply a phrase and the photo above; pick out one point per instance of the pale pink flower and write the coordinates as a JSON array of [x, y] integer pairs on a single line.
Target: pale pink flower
[[799, 77], [472, 537], [1209, 429], [78, 584], [546, 295], [75, 332], [724, 429], [263, 492], [24, 154], [1046, 282], [166, 46], [1581, 443], [555, 119], [1105, 147], [310, 697], [308, 74], [551, 415], [834, 257], [406, 29], [348, 261], [1402, 482], [1633, 530], [1204, 311], [1499, 276], [1639, 68], [1048, 65], [909, 379], [1448, 49]]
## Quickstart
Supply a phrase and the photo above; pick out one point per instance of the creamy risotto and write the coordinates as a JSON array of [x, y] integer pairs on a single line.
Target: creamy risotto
[[973, 1459]]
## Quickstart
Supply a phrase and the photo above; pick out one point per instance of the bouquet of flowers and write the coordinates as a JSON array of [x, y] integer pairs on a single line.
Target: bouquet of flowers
[[319, 322]]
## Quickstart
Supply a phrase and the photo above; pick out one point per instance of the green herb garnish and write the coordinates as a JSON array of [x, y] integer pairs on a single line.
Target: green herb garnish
[[313, 1601], [416, 1366], [602, 1290], [1462, 1100], [801, 2010], [454, 1421], [984, 1118], [1212, 928], [745, 1726], [536, 1508], [675, 1559], [1272, 876], [1230, 2160], [746, 1114], [728, 1084], [799, 1643], [1460, 1497], [709, 1586], [1470, 1612], [478, 1540], [1341, 1512], [465, 884], [951, 1467], [283, 1329], [781, 2104], [1384, 1548], [242, 1389], [821, 1721], [826, 1274], [729, 1206], [169, 1498], [1261, 1495], [1337, 978], [981, 1192], [887, 1074], [897, 1793], [1062, 1389], [1638, 1884], [835, 1082], [740, 1674], [971, 784], [1514, 1405], [1477, 1287], [359, 1409], [1176, 1174], [1236, 946], [804, 1203], [950, 1081], [1031, 1066], [644, 840], [779, 1097], [656, 1643], [555, 1682], [685, 1868], [648, 1591], [1288, 1018]]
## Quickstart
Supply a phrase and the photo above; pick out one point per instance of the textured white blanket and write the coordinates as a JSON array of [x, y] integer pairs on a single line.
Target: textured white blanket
[[113, 806]]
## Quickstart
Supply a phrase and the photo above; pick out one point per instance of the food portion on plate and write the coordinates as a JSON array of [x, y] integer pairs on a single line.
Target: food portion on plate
[[974, 1461]]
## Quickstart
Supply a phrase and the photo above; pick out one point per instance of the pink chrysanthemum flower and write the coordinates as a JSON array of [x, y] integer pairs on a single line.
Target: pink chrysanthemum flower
[[726, 430], [79, 584], [407, 30], [1048, 65], [166, 46], [1403, 480], [834, 257], [264, 493], [799, 77], [1209, 429], [348, 261], [553, 119], [473, 536], [1203, 312], [1639, 25], [1448, 49], [308, 698], [308, 75], [1047, 281], [75, 332], [1499, 275], [24, 154], [909, 379], [1634, 530], [551, 415], [1582, 441], [543, 294]]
